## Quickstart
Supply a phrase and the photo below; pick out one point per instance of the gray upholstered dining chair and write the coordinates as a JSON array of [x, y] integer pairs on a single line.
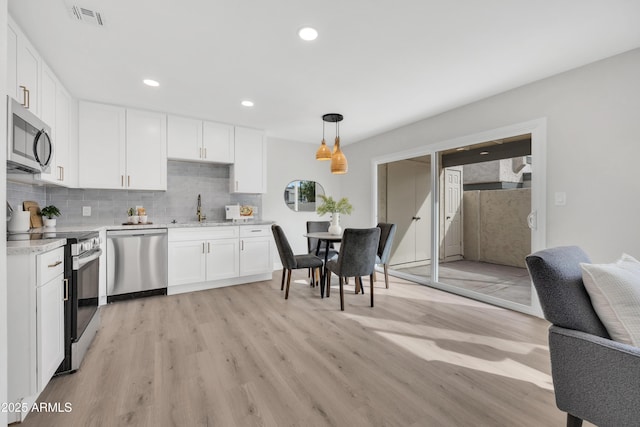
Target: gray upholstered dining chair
[[312, 244], [595, 379], [357, 258], [290, 261], [387, 233]]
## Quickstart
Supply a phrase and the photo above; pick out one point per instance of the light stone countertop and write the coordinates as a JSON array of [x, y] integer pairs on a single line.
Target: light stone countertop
[[25, 247], [19, 247]]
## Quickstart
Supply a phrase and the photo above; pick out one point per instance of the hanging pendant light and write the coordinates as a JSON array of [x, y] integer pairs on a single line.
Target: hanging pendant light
[[323, 152], [338, 160], [339, 164]]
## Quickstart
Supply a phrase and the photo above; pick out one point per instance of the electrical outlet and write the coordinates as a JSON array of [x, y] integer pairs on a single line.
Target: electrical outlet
[[560, 198], [86, 211]]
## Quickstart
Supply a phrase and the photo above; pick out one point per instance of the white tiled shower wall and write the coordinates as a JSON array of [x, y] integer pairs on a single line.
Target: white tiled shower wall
[[185, 180]]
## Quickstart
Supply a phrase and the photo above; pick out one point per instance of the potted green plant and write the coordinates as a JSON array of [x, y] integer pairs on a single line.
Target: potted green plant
[[132, 216], [329, 205], [50, 212]]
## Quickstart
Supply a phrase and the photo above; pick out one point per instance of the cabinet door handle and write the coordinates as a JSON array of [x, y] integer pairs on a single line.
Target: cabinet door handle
[[128, 180], [205, 152], [24, 96], [242, 245], [202, 247], [55, 264], [236, 185], [200, 152], [62, 172], [66, 289], [28, 99], [208, 247], [121, 180]]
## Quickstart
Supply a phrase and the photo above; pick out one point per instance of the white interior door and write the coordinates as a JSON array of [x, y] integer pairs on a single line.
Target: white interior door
[[408, 206], [401, 211], [452, 213]]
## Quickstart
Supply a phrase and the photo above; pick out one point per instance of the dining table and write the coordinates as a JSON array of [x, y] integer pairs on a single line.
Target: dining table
[[327, 238]]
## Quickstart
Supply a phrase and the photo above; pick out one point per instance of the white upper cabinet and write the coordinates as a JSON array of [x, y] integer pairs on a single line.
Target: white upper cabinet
[[121, 148], [146, 150], [23, 69], [32, 83], [62, 139], [217, 142], [54, 109], [184, 138], [197, 140], [249, 171], [101, 146]]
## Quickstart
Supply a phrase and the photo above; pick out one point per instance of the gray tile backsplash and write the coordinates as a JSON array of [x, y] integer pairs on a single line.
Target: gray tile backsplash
[[18, 193], [185, 180]]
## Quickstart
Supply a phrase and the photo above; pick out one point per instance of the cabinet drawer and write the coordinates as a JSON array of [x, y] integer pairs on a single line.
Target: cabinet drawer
[[255, 231], [202, 233], [49, 265]]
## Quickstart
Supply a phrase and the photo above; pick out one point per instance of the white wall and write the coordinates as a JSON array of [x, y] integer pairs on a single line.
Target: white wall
[[593, 145], [289, 161], [3, 222]]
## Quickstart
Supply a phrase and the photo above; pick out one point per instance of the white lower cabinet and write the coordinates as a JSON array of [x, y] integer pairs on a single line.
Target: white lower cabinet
[[210, 257], [222, 259], [187, 262], [35, 338], [50, 328], [255, 250]]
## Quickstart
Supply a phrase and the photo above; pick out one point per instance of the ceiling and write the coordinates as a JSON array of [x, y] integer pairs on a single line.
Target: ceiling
[[380, 63]]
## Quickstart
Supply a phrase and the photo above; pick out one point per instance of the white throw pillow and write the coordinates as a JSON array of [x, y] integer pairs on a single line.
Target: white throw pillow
[[615, 294]]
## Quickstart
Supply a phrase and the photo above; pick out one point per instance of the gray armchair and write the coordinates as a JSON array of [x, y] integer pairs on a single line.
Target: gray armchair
[[595, 379]]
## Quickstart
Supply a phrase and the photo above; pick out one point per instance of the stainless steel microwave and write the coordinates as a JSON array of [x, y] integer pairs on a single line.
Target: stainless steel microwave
[[29, 144]]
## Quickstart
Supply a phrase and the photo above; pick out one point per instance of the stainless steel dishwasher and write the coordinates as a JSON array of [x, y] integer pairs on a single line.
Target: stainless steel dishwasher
[[136, 263]]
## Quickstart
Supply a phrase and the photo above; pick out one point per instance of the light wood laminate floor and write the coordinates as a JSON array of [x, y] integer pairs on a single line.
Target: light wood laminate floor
[[245, 356], [500, 281]]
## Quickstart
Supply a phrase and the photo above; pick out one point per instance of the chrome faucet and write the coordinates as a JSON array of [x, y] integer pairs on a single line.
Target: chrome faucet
[[201, 216]]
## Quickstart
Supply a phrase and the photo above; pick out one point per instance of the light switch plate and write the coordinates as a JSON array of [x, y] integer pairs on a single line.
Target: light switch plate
[[86, 211]]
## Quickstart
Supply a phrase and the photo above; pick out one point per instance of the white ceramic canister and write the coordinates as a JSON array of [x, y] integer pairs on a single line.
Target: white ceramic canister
[[20, 221]]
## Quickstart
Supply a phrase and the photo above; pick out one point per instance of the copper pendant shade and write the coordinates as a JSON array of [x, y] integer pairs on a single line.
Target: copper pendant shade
[[338, 160]]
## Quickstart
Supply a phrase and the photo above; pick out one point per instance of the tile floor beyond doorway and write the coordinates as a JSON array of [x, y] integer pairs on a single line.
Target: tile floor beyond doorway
[[500, 281]]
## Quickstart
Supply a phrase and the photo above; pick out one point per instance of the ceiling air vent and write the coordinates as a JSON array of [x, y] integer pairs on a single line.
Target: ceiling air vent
[[87, 15]]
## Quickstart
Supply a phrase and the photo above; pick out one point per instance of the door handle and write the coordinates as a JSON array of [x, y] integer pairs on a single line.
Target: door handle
[[532, 220], [416, 218], [66, 289]]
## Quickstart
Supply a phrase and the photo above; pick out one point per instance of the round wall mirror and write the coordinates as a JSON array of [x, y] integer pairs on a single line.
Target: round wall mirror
[[300, 196]]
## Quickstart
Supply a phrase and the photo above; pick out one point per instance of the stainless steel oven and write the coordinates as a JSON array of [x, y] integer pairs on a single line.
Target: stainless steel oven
[[81, 310]]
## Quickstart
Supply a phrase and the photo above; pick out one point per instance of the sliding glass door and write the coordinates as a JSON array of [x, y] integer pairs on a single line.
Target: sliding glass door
[[468, 211]]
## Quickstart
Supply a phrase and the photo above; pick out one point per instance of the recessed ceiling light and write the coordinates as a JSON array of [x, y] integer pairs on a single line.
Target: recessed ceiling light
[[247, 103], [308, 34], [151, 83], [484, 153]]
